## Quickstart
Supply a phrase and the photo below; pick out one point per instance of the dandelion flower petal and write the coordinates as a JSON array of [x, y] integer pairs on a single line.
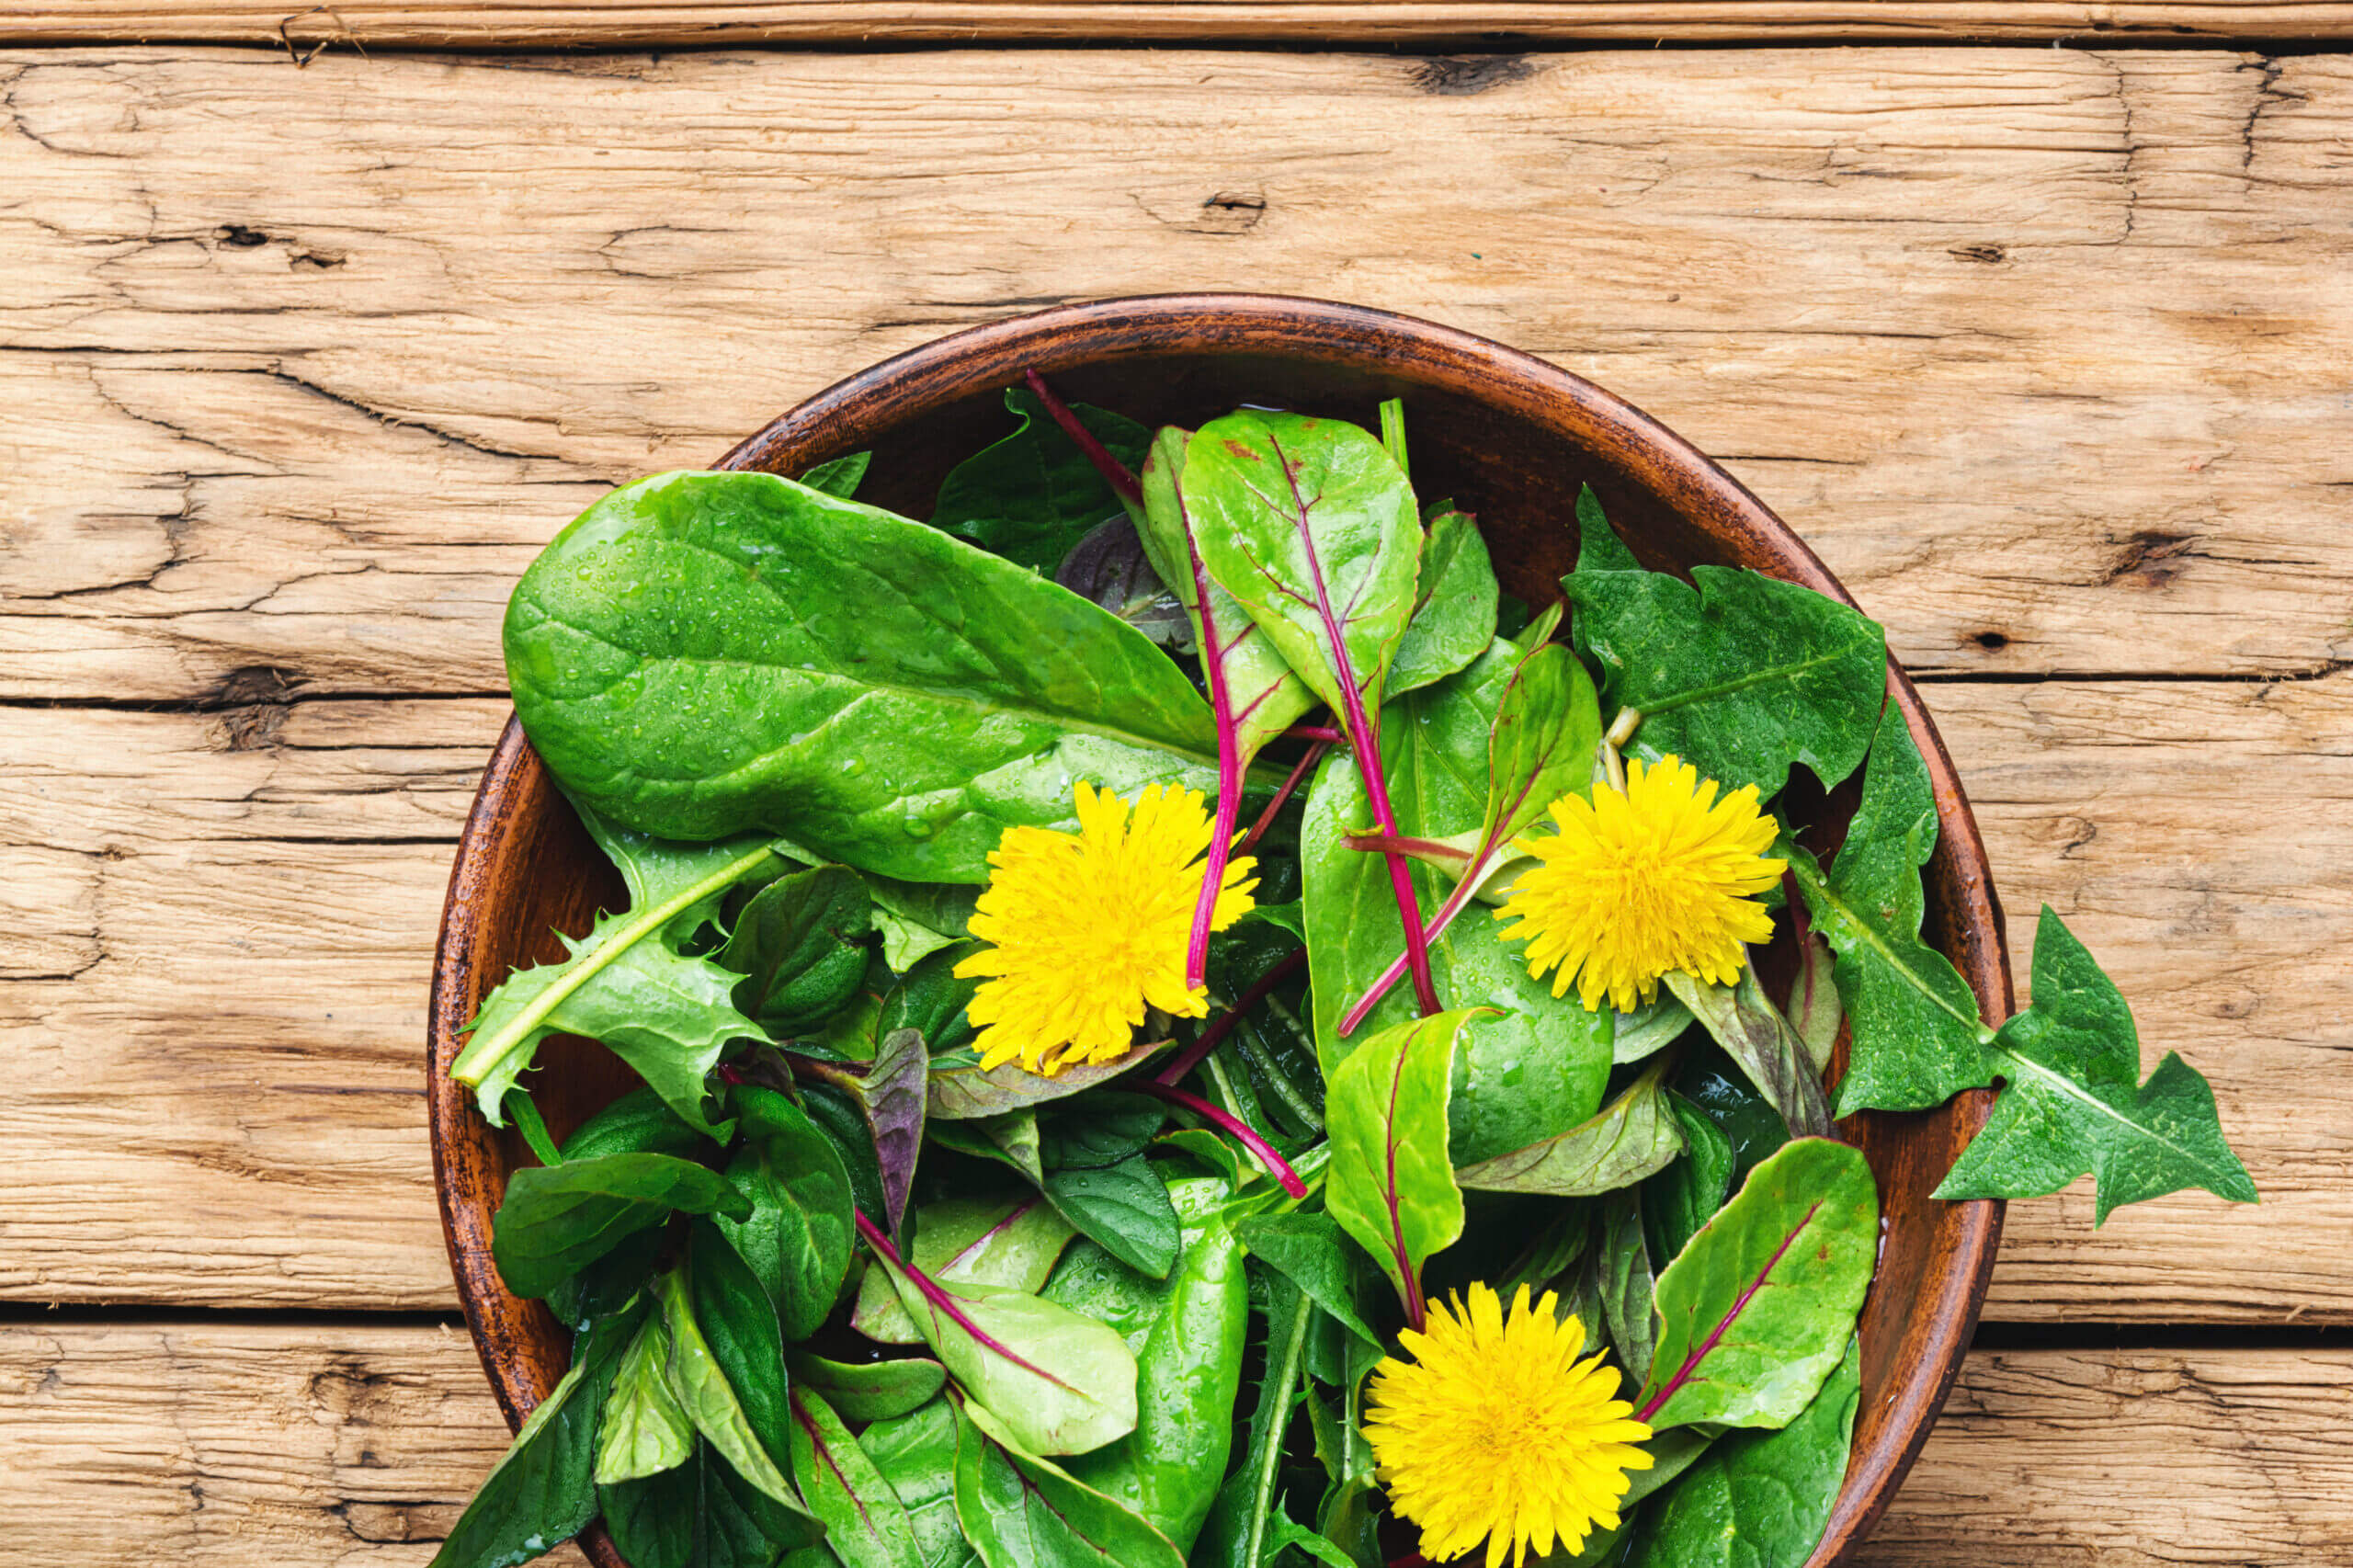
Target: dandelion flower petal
[[1631, 887], [1086, 930]]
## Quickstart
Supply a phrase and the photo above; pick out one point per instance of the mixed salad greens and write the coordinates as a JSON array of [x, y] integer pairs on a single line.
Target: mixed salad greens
[[1096, 1108]]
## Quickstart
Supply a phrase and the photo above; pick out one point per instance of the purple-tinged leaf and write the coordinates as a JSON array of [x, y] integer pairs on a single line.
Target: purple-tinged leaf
[[959, 1090], [891, 1093]]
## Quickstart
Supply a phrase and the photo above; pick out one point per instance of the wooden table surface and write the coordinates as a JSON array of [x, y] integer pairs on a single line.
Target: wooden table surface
[[2047, 350]]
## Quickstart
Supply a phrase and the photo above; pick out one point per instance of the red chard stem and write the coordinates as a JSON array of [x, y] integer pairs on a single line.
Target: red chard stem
[[1192, 1056], [1115, 472], [1241, 1130]]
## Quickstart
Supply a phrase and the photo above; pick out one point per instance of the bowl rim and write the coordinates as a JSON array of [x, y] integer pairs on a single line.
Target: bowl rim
[[984, 358]]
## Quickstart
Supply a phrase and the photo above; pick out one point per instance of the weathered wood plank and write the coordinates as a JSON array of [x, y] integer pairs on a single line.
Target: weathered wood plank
[[609, 24], [213, 997], [235, 1447], [2042, 350]]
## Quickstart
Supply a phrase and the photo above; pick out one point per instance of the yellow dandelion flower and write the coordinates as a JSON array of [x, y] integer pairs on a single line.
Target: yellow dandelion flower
[[1631, 887], [1086, 928], [1495, 1429]]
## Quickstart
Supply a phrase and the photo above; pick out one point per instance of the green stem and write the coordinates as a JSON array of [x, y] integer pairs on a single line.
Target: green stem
[[1393, 434], [482, 1056], [1282, 1378]]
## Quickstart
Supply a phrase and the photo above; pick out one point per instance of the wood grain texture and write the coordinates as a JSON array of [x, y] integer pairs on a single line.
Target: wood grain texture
[[215, 1002], [2043, 351], [609, 24], [223, 1446]]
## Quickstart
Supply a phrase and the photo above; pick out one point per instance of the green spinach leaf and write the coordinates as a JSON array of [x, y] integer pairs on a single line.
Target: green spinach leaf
[[1124, 1209], [1311, 1252], [916, 1453], [1623, 1280], [1454, 609], [839, 476], [870, 1391], [637, 1123], [799, 945], [701, 1386], [555, 1219], [1687, 1194], [798, 1238], [700, 653]]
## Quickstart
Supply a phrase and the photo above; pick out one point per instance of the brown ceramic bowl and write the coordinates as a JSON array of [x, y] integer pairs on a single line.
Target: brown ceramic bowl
[[1509, 437]]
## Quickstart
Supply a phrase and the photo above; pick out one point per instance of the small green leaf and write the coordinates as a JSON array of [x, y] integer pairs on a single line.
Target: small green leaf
[[2071, 1104], [1313, 1252], [799, 1237], [1454, 608], [1391, 1184], [645, 1430], [1759, 1499], [839, 476], [1758, 1310], [555, 1219], [1631, 1137], [870, 1390], [1754, 1033], [799, 945], [916, 1453], [865, 1522], [1547, 730], [637, 1123], [1648, 1029], [1737, 673], [1623, 1280], [1003, 1242], [543, 1491], [917, 919], [1034, 494], [1687, 1194], [1022, 1511], [1187, 1373], [1124, 1209], [702, 1389], [1061, 1383]]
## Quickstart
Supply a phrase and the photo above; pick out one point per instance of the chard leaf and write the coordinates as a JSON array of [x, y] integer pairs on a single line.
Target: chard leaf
[[1311, 526], [889, 1094], [2072, 1106], [1124, 1209], [543, 1490], [1814, 1010], [665, 1014], [1623, 1280], [870, 1391], [1262, 693], [701, 1386], [1059, 1382], [1547, 729], [1021, 1511], [1537, 1070], [1687, 1194], [799, 945], [866, 1524], [1759, 1499], [1917, 1040], [1311, 1252], [700, 653], [1454, 608], [1758, 1310], [1391, 1184], [1033, 495], [556, 1219], [1000, 1242], [839, 476], [645, 1430], [916, 1453], [1236, 1533], [1754, 1034], [1188, 1374], [960, 1091], [1283, 1531], [1649, 1028], [798, 1238], [1634, 1136], [2071, 1063], [1737, 673], [700, 1515]]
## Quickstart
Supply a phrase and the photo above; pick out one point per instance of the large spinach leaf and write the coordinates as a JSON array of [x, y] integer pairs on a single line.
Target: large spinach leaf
[[700, 653], [870, 1391], [699, 1384]]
